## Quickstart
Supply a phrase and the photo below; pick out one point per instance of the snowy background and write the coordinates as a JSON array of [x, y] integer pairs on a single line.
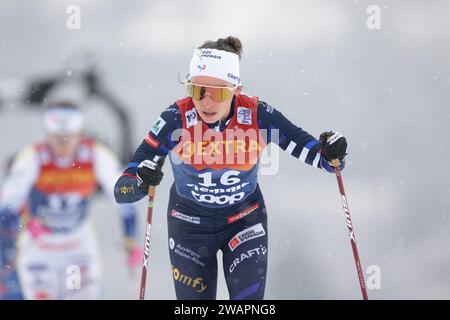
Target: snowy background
[[316, 61]]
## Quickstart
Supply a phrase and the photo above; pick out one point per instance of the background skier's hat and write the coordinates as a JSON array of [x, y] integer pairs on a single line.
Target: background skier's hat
[[63, 118]]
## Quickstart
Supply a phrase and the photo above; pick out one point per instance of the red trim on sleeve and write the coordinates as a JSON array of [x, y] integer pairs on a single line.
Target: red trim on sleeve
[[152, 142]]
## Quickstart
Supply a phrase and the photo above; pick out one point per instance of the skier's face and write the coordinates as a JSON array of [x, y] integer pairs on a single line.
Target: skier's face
[[64, 145], [209, 109]]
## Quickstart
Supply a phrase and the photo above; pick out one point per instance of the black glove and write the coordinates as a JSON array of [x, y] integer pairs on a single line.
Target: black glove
[[149, 173], [334, 145]]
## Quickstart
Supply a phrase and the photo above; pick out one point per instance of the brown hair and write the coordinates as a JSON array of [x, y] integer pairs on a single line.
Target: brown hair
[[230, 44]]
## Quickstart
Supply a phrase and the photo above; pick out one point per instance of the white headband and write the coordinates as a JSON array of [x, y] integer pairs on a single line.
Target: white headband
[[215, 63], [63, 121]]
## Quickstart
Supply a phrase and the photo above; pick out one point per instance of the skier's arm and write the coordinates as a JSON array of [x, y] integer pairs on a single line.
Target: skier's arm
[[158, 142], [17, 185], [15, 189], [291, 138]]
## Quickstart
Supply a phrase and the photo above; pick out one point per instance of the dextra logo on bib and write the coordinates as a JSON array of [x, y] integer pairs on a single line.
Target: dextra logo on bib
[[240, 148], [253, 232]]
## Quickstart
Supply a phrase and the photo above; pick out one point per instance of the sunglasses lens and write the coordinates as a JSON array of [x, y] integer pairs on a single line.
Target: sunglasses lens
[[196, 92], [221, 94], [216, 94]]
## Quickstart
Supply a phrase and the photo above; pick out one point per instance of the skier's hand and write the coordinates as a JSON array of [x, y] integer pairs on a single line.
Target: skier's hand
[[333, 145], [149, 173], [36, 229], [134, 253]]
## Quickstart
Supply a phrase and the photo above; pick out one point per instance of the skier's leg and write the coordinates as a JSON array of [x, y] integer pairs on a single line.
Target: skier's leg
[[10, 285], [193, 259], [245, 257], [81, 277], [80, 266], [37, 270], [9, 279]]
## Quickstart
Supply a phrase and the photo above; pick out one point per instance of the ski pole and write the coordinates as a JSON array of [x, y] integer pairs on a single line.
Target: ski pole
[[151, 197], [336, 163]]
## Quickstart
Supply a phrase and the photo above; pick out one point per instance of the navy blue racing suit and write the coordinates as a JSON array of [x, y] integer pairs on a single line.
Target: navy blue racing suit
[[214, 208]]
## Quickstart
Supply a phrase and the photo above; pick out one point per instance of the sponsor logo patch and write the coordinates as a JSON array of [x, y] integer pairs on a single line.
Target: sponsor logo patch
[[252, 253], [184, 217], [185, 253], [244, 115], [253, 232], [195, 283], [152, 142], [207, 54], [232, 76], [242, 214], [335, 137], [191, 118], [158, 125]]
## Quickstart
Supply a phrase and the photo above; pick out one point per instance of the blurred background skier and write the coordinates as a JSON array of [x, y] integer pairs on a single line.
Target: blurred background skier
[[45, 196]]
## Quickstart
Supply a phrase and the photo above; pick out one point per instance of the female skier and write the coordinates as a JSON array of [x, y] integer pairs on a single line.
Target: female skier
[[216, 135]]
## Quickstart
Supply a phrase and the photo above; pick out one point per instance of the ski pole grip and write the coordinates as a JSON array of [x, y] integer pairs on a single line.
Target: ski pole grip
[[151, 191], [336, 162]]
